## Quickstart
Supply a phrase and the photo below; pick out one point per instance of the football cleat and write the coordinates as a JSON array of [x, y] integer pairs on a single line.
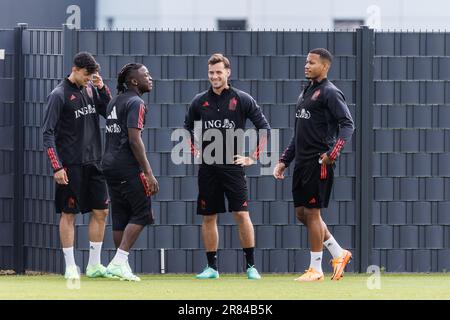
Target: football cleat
[[310, 275], [98, 271], [208, 273], [122, 271], [72, 273], [253, 274], [339, 264]]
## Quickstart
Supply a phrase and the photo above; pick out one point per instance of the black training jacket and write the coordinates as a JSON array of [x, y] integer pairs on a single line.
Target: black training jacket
[[71, 127], [227, 111], [323, 123]]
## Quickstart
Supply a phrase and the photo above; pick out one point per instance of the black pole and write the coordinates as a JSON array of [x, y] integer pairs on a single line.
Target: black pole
[[69, 44], [364, 144], [19, 85]]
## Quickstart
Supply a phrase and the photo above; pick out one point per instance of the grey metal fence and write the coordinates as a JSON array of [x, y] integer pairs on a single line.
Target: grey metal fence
[[390, 199], [411, 168], [7, 150]]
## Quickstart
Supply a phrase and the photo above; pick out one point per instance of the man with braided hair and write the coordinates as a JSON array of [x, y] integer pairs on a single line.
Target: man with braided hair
[[125, 165], [72, 141]]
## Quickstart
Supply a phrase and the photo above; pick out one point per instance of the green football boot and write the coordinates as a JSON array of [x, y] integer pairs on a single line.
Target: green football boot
[[208, 273], [98, 271], [122, 271], [72, 273], [253, 274]]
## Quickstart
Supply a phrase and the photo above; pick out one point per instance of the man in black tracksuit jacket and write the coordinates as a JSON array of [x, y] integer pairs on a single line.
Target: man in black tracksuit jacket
[[71, 135], [222, 109], [323, 125]]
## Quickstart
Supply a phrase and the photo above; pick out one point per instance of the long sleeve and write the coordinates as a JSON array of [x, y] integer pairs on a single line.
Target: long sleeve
[[289, 153], [190, 118], [339, 109], [51, 117], [256, 116], [101, 99]]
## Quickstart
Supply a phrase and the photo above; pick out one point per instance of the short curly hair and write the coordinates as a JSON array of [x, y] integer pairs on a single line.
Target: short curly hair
[[86, 60]]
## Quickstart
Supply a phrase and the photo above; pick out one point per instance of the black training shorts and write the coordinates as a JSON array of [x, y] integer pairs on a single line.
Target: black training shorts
[[130, 202], [86, 190], [312, 183], [216, 182]]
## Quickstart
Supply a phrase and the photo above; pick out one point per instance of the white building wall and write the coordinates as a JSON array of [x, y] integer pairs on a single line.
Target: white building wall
[[273, 14]]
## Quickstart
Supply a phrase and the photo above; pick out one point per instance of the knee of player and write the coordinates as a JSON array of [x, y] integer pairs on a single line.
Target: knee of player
[[302, 219], [312, 215], [210, 219], [300, 213], [68, 218], [242, 217], [100, 215]]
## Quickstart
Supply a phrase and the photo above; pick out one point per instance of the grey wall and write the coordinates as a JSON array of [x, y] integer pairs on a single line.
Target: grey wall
[[6, 149], [43, 65], [411, 208]]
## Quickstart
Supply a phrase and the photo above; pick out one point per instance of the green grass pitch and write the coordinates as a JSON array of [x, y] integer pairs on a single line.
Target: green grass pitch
[[232, 286]]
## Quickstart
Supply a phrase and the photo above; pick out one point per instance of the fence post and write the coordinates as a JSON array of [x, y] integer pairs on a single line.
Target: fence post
[[19, 92], [364, 143], [68, 49]]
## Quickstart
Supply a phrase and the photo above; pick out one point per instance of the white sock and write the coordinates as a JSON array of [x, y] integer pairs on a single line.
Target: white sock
[[95, 250], [69, 257], [120, 257], [316, 261], [334, 247]]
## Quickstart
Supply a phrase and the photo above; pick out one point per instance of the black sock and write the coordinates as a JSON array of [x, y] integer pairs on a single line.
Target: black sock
[[212, 259], [249, 256]]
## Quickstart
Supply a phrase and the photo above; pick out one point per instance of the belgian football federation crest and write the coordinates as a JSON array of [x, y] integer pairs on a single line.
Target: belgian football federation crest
[[232, 105], [203, 204], [71, 202]]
